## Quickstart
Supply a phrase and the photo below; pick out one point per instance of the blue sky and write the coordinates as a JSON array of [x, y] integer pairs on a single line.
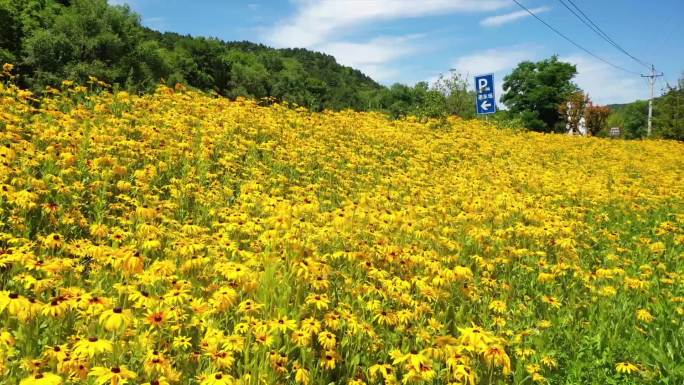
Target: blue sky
[[414, 40]]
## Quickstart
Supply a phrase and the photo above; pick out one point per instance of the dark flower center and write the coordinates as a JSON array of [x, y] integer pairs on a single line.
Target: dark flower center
[[116, 369]]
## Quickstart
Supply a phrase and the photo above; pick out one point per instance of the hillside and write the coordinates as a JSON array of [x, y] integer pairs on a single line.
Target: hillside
[[50, 40], [184, 238]]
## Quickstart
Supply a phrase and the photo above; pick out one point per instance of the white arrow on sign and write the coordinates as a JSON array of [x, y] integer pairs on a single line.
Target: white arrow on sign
[[485, 105]]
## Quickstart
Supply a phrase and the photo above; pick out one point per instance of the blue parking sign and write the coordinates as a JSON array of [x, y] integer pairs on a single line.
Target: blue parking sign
[[485, 99]]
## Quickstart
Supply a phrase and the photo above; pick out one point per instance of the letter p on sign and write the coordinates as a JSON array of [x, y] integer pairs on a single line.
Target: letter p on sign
[[482, 85]]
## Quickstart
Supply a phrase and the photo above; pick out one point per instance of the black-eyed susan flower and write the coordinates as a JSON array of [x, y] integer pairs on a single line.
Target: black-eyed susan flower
[[116, 375], [157, 319], [92, 346], [329, 359], [496, 356], [319, 301], [45, 378], [218, 378], [115, 319], [53, 241], [302, 376], [644, 315], [13, 302], [327, 340], [626, 368], [283, 324]]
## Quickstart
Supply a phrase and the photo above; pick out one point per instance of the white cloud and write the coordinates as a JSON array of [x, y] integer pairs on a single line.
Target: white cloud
[[373, 57], [317, 20], [605, 84], [325, 25], [499, 61], [495, 21], [494, 60]]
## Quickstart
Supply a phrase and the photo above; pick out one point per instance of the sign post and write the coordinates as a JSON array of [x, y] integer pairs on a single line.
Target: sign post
[[485, 99]]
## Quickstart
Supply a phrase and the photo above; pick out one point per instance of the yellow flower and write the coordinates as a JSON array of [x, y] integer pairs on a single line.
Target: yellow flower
[[538, 378], [182, 342], [98, 230], [549, 362], [497, 306], [115, 319], [13, 302], [327, 340], [117, 375], [157, 319], [53, 241], [657, 247], [302, 376], [56, 308], [626, 368], [476, 337], [320, 301], [496, 355], [383, 317], [644, 315], [217, 379], [301, 338], [552, 301], [329, 359], [42, 379], [92, 346], [283, 324]]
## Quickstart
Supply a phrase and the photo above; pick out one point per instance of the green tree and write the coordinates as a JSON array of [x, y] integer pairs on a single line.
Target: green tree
[[458, 97], [534, 91], [11, 32], [633, 119], [668, 120]]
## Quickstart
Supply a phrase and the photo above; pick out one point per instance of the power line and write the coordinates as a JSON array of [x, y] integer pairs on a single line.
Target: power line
[[584, 18], [559, 33]]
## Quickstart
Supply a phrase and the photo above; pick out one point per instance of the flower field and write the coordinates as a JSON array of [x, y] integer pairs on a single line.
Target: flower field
[[181, 238]]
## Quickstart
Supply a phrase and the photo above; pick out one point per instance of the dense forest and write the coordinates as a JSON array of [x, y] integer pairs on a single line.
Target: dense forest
[[50, 40], [53, 40]]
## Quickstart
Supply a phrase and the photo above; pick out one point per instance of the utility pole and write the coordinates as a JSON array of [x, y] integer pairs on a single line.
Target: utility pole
[[651, 79]]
